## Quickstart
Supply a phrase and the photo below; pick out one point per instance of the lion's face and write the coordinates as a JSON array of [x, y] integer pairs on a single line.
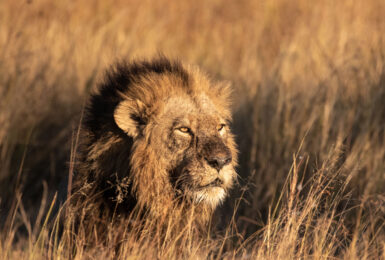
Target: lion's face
[[182, 144], [195, 142]]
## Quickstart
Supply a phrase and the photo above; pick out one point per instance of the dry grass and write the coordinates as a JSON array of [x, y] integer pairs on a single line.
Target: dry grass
[[309, 80]]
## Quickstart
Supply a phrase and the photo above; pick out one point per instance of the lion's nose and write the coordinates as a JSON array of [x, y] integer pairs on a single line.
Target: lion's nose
[[218, 161]]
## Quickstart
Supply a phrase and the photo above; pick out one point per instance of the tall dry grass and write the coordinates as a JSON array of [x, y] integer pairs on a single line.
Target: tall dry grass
[[309, 113]]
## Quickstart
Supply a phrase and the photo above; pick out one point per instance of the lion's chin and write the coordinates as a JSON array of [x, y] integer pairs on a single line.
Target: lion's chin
[[210, 195]]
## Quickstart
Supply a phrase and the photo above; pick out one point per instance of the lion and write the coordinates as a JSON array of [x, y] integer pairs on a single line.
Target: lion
[[156, 136]]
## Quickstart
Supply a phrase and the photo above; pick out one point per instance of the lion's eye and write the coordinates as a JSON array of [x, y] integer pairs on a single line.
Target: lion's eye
[[221, 127], [184, 129]]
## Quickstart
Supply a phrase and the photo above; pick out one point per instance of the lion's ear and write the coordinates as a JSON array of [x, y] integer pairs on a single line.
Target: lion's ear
[[129, 116]]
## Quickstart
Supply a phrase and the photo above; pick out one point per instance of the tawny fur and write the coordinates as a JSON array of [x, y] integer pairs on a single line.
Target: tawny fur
[[155, 136]]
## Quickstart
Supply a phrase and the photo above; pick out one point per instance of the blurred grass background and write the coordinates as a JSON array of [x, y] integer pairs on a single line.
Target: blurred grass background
[[309, 109]]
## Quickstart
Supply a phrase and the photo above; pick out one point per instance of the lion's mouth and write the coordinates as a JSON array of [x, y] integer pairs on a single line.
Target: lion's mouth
[[216, 183]]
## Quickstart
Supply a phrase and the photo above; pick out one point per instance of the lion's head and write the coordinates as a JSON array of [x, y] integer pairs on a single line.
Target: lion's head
[[163, 131]]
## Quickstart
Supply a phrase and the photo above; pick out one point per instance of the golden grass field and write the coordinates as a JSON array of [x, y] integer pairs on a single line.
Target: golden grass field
[[309, 115]]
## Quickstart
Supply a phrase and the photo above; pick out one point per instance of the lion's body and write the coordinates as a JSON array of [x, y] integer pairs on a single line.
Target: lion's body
[[154, 137]]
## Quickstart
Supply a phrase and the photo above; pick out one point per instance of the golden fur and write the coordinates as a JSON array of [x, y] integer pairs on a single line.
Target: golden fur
[[156, 136]]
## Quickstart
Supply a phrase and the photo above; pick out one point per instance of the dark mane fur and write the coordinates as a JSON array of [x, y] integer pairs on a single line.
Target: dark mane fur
[[99, 126], [99, 112]]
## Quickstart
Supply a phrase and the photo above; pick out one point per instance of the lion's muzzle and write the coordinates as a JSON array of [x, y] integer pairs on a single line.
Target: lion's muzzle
[[217, 154]]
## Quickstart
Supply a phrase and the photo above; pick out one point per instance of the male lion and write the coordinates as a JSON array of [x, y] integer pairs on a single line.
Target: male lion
[[155, 136]]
